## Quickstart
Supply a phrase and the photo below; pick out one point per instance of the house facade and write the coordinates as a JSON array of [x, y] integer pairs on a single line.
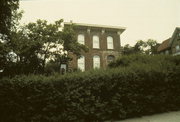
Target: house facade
[[104, 45], [175, 42], [171, 45]]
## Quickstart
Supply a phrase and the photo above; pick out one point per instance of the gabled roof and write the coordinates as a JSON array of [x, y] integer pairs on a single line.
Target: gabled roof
[[165, 45], [174, 35]]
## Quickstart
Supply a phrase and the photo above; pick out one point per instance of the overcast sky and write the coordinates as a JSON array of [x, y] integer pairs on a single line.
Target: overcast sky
[[143, 19]]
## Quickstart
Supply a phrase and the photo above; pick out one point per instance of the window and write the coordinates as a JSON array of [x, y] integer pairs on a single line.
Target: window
[[110, 42], [96, 61], [110, 58], [81, 63], [166, 52], [177, 48], [81, 39], [95, 42]]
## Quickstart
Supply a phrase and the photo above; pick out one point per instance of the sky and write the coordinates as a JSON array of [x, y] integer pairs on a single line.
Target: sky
[[143, 19]]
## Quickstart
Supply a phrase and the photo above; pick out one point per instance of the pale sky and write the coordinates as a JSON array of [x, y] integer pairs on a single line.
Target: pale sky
[[143, 19]]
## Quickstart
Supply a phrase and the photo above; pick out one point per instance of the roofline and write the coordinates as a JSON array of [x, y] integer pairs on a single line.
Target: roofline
[[96, 25], [173, 35], [168, 48]]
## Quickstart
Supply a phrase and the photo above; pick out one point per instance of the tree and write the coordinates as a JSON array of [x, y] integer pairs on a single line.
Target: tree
[[139, 46], [54, 42], [152, 46], [148, 47], [70, 43], [38, 42], [127, 50], [47, 38], [7, 8]]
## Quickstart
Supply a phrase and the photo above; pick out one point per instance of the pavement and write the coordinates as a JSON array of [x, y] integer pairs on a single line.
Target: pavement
[[164, 117]]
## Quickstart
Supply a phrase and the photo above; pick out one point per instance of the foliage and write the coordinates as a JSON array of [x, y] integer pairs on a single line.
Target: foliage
[[117, 93], [6, 46], [127, 50], [37, 43], [47, 39], [70, 43], [141, 47], [128, 60], [7, 9]]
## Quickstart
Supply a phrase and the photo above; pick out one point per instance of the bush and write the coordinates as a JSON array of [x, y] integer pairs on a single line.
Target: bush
[[139, 88]]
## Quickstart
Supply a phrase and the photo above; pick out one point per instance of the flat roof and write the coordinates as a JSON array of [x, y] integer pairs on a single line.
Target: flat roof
[[96, 25]]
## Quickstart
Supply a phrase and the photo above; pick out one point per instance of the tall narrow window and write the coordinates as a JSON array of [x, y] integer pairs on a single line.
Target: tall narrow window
[[177, 48], [81, 39], [96, 61], [81, 63], [110, 44], [95, 42]]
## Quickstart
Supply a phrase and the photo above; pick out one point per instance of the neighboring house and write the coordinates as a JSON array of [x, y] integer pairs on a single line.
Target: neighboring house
[[171, 45], [165, 48], [175, 42], [104, 45]]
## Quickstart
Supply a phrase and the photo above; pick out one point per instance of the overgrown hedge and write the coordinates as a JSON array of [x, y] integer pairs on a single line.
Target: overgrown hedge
[[113, 94]]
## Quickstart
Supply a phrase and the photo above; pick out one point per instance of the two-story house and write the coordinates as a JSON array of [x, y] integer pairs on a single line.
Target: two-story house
[[104, 45], [171, 45]]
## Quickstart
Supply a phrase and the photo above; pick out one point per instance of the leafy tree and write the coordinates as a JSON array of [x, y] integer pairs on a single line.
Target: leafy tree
[[142, 47], [152, 46], [127, 50], [39, 42], [7, 8], [8, 11], [47, 38], [33, 44], [54, 42], [70, 43], [139, 46]]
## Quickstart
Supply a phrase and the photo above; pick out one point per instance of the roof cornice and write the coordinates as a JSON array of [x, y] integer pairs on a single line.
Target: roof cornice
[[96, 26]]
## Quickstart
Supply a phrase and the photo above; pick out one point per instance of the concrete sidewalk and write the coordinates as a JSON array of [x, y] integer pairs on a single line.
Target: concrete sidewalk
[[165, 117]]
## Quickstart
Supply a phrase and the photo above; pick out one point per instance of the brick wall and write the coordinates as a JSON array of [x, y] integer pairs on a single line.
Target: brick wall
[[102, 52]]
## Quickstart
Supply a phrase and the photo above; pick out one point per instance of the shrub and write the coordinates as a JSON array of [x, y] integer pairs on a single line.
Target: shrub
[[146, 86]]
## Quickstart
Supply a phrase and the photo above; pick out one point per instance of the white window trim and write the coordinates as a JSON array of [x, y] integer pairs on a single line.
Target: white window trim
[[81, 39], [96, 62], [177, 48], [110, 42], [81, 63], [96, 41]]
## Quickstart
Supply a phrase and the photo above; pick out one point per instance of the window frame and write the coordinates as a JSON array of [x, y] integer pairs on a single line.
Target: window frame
[[95, 42], [81, 61], [96, 61], [110, 42], [79, 39], [177, 49]]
